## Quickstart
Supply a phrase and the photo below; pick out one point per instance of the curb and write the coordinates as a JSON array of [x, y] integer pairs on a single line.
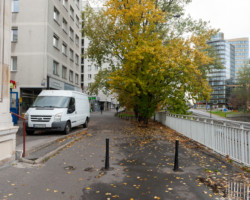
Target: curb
[[53, 141], [41, 159]]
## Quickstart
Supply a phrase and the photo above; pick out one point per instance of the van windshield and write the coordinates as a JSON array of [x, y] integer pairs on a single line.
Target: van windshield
[[51, 101]]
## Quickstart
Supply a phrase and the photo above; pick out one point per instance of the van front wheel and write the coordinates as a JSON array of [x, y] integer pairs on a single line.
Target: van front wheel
[[67, 128], [85, 125], [30, 132]]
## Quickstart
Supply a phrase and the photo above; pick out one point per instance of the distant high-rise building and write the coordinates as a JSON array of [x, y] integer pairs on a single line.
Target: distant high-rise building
[[218, 78], [89, 69], [241, 52], [46, 49]]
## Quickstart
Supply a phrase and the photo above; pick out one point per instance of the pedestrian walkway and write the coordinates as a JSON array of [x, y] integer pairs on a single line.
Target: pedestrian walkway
[[141, 167], [39, 145]]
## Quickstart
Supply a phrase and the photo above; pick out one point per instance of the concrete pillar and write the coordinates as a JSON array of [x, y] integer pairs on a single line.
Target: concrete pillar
[[7, 130]]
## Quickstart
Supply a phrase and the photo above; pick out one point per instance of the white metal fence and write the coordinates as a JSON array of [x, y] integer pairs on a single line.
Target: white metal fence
[[224, 137], [237, 191]]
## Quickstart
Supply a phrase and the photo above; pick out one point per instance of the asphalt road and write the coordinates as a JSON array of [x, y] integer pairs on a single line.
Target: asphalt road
[[141, 167]]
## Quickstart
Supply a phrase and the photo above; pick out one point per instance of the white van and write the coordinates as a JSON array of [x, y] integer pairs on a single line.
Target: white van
[[58, 110]]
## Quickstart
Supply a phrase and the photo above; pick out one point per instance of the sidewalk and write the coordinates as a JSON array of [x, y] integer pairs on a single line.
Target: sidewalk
[[37, 146], [141, 167]]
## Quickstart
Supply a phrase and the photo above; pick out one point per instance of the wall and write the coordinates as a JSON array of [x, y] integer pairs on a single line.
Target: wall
[[7, 130]]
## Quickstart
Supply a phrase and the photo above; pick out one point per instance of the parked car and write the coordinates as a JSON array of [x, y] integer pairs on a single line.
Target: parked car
[[58, 110]]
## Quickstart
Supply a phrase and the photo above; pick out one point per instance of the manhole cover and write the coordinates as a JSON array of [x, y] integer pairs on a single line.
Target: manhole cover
[[69, 168]]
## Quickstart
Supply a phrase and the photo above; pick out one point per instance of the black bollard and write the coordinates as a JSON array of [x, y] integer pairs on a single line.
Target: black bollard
[[107, 154], [176, 164]]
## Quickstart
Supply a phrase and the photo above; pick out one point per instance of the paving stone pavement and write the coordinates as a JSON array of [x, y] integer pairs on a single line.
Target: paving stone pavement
[[141, 167]]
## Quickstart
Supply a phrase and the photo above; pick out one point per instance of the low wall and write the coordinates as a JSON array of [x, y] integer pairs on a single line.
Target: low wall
[[239, 117], [7, 145]]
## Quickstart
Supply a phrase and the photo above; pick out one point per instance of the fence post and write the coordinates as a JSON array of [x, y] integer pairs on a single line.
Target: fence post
[[212, 135], [225, 136], [205, 131], [242, 143]]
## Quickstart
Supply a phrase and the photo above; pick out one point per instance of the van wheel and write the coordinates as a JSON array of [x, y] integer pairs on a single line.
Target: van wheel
[[85, 125], [67, 128], [30, 132]]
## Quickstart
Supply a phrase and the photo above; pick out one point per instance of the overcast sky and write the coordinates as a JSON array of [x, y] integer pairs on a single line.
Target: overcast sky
[[232, 17]]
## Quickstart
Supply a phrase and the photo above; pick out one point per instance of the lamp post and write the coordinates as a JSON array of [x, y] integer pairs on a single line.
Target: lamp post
[[211, 110]]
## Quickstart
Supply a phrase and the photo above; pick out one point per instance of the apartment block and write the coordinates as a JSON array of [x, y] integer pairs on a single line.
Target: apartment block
[[46, 47], [241, 52], [89, 69]]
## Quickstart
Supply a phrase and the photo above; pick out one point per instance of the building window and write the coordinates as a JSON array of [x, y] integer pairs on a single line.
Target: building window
[[77, 59], [82, 69], [64, 72], [14, 34], [15, 5], [96, 67], [13, 66], [71, 33], [71, 76], [65, 3], [64, 25], [56, 14], [77, 79], [89, 76], [55, 41], [82, 78], [55, 68], [71, 12], [77, 3], [89, 67], [77, 21], [77, 40], [71, 53], [64, 49]]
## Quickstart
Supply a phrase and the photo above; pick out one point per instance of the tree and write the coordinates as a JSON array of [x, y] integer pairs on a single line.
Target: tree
[[240, 96], [161, 58]]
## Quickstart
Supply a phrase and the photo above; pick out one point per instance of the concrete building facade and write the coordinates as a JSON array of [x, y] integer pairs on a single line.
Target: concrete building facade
[[46, 49], [7, 130], [89, 69]]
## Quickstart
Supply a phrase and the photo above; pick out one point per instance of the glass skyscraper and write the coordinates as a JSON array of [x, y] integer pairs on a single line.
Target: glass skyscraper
[[241, 52], [219, 78]]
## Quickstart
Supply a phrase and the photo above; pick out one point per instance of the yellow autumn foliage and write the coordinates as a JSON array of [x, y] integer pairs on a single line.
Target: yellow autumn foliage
[[155, 66]]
